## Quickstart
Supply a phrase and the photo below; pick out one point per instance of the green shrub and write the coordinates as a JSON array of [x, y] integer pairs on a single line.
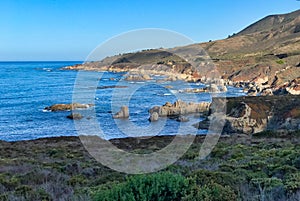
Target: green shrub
[[152, 187], [220, 152], [9, 182], [28, 193], [281, 171], [77, 180], [211, 192], [205, 177], [292, 182], [280, 61], [23, 190], [256, 165], [296, 162]]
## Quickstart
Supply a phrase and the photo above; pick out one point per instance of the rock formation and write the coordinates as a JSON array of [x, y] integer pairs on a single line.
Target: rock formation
[[66, 107], [294, 87], [241, 120], [179, 108], [250, 115], [154, 117], [123, 113], [139, 77]]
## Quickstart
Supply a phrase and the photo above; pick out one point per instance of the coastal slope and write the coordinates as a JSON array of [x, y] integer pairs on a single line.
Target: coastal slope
[[263, 58]]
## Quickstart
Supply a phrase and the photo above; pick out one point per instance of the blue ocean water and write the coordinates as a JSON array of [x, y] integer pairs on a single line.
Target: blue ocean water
[[26, 88]]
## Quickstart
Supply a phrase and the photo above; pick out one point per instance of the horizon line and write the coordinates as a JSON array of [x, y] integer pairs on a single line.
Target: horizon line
[[42, 61]]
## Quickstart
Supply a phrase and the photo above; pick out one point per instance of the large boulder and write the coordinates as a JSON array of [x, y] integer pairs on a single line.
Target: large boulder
[[123, 113], [267, 92], [154, 117], [67, 107], [294, 87], [213, 88]]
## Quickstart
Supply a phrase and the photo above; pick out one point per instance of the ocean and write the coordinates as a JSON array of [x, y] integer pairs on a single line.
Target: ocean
[[26, 88]]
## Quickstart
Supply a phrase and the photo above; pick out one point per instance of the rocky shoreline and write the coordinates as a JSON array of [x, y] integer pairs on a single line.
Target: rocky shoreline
[[256, 112], [260, 85], [263, 60], [242, 115]]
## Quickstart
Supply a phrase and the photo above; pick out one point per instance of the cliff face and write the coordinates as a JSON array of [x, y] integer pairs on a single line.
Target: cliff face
[[255, 114]]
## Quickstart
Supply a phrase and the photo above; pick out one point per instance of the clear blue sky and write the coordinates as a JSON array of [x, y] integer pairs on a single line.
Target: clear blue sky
[[71, 29]]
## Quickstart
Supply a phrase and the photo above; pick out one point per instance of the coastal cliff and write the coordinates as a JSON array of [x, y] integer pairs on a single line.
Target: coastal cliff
[[249, 115]]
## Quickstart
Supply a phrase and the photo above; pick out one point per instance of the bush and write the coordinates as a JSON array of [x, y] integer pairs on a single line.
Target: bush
[[280, 61], [292, 183], [211, 192], [204, 177], [152, 187]]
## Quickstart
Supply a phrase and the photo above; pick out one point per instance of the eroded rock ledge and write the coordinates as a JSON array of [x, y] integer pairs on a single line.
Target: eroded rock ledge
[[179, 108], [250, 115]]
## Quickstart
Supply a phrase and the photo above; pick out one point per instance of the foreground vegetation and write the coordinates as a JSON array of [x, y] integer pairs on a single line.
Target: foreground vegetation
[[263, 167]]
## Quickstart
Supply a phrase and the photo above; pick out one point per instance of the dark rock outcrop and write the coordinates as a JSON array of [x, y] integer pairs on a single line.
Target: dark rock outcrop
[[75, 116], [241, 119], [202, 124], [111, 87]]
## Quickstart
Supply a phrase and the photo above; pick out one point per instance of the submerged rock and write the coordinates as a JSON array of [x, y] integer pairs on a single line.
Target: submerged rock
[[194, 90], [182, 119], [202, 124], [122, 114], [112, 87], [75, 116]]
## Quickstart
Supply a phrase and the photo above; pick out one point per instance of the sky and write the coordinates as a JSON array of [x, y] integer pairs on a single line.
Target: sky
[[66, 30]]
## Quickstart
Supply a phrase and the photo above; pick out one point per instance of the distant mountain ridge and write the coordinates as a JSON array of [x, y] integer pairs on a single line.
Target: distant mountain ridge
[[274, 22]]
